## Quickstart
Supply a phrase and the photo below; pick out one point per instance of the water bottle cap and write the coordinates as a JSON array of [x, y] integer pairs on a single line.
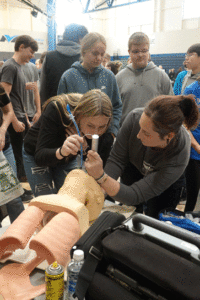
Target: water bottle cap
[[78, 255]]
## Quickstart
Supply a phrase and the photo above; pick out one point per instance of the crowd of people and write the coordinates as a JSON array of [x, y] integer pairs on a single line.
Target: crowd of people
[[149, 134]]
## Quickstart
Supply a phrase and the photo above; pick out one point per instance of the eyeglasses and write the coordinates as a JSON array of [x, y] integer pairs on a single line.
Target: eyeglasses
[[142, 51], [188, 55]]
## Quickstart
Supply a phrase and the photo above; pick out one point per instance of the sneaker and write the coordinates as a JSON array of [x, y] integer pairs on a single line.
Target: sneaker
[[28, 192], [27, 196]]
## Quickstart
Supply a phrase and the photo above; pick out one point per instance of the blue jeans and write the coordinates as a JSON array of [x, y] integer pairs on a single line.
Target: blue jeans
[[45, 180], [14, 207]]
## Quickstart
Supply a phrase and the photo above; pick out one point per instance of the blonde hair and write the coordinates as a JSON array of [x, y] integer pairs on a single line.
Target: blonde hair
[[94, 103], [89, 40], [91, 104]]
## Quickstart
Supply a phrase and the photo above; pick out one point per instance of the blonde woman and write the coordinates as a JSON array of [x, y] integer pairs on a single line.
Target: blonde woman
[[90, 74], [52, 144]]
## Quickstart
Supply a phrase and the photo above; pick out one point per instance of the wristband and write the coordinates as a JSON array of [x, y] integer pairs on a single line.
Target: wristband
[[102, 179], [61, 153]]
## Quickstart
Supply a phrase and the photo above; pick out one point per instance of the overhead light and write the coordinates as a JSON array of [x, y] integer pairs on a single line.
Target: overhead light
[[34, 13]]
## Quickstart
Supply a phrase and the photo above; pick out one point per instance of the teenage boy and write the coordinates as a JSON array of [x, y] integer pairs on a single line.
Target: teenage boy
[[192, 62], [142, 80], [14, 83], [10, 187]]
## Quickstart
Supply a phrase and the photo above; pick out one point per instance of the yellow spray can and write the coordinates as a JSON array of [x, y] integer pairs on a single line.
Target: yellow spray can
[[54, 277]]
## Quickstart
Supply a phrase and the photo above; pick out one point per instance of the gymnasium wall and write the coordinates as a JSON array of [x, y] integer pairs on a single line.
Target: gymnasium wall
[[170, 34], [16, 19], [162, 20]]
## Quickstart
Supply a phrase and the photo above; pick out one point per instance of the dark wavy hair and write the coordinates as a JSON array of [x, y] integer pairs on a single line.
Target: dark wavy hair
[[27, 41], [168, 113]]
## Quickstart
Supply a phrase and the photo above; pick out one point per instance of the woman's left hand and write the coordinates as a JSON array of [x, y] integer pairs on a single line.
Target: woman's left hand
[[94, 164]]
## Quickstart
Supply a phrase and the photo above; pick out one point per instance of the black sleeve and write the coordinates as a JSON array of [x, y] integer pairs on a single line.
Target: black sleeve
[[43, 92], [4, 99], [50, 137]]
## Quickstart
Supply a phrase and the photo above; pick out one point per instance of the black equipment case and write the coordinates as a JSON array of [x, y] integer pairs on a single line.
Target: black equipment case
[[142, 258]]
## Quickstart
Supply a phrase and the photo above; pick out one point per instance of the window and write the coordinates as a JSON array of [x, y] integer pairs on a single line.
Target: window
[[191, 9], [68, 12]]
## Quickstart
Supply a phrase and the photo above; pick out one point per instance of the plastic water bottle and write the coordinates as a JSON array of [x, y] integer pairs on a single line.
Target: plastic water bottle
[[73, 270]]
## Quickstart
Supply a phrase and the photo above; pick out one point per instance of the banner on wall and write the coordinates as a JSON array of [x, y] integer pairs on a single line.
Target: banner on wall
[[8, 38]]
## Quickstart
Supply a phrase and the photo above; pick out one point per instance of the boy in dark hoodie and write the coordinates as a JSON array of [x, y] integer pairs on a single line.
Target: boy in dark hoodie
[[141, 81], [57, 62]]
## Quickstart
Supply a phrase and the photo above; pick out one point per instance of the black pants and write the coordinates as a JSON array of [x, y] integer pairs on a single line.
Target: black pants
[[16, 139], [192, 183], [168, 199]]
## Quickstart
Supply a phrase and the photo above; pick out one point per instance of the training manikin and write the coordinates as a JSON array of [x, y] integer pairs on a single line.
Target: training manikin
[[60, 220]]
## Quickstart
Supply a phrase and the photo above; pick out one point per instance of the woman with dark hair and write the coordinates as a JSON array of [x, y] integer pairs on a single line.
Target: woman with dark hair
[[150, 154]]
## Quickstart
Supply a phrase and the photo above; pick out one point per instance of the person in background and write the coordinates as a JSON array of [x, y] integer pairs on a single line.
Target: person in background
[[10, 187], [178, 82], [172, 74], [129, 61], [90, 74], [32, 100], [57, 62], [192, 62], [14, 83], [114, 66], [192, 172], [142, 80], [39, 62], [52, 144], [1, 64], [150, 154], [106, 59], [178, 71]]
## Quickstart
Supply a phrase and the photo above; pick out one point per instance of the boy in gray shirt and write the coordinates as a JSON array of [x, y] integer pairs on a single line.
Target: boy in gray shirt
[[13, 81]]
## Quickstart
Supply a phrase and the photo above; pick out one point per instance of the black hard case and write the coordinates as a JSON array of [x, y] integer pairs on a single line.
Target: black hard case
[[106, 220], [151, 260]]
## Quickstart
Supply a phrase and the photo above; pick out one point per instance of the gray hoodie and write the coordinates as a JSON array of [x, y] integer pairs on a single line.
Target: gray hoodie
[[137, 87], [68, 48]]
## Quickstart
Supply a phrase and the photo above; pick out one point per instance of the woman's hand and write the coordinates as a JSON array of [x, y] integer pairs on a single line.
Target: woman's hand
[[72, 131], [94, 164], [72, 145]]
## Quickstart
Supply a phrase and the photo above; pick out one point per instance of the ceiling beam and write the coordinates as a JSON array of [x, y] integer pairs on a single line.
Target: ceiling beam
[[110, 5], [30, 4]]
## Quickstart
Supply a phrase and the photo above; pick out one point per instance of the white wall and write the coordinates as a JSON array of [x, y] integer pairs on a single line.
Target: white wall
[[162, 20], [16, 19]]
